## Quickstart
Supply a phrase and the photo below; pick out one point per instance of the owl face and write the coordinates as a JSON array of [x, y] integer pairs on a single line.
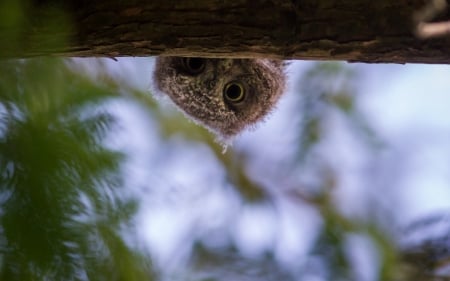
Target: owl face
[[224, 95]]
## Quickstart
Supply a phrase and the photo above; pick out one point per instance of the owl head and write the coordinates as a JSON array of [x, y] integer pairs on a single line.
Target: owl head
[[224, 95]]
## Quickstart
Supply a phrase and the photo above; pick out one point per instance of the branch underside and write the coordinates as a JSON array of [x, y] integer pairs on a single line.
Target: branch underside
[[352, 30]]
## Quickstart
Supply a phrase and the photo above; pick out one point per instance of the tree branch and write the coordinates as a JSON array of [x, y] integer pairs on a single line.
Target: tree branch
[[353, 30]]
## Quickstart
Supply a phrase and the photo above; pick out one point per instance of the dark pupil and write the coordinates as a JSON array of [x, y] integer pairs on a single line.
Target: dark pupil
[[234, 92], [195, 64]]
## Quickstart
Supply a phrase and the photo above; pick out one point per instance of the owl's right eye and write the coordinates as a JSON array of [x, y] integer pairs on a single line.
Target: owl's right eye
[[234, 92], [194, 65]]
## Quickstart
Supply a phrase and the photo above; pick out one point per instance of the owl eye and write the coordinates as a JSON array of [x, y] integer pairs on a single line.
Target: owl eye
[[234, 92], [194, 65]]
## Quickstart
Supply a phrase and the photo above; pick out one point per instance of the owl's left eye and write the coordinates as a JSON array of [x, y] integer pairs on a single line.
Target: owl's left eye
[[234, 92], [194, 65]]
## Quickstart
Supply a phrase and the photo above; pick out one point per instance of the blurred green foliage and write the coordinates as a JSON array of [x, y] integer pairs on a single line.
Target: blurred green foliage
[[63, 211], [33, 27]]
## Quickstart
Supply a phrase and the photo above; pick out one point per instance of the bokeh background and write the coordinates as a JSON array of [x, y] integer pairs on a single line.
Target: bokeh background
[[101, 178], [330, 186]]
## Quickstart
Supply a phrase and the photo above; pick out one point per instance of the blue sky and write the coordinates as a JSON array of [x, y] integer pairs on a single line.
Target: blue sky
[[410, 105]]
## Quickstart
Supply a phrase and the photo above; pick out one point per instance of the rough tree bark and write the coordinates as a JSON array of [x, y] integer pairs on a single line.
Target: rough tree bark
[[353, 30]]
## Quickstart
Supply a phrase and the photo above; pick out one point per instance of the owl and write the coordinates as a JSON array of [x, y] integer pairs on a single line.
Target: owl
[[224, 95]]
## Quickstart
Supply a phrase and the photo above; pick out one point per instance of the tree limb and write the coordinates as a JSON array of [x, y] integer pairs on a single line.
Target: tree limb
[[353, 30]]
